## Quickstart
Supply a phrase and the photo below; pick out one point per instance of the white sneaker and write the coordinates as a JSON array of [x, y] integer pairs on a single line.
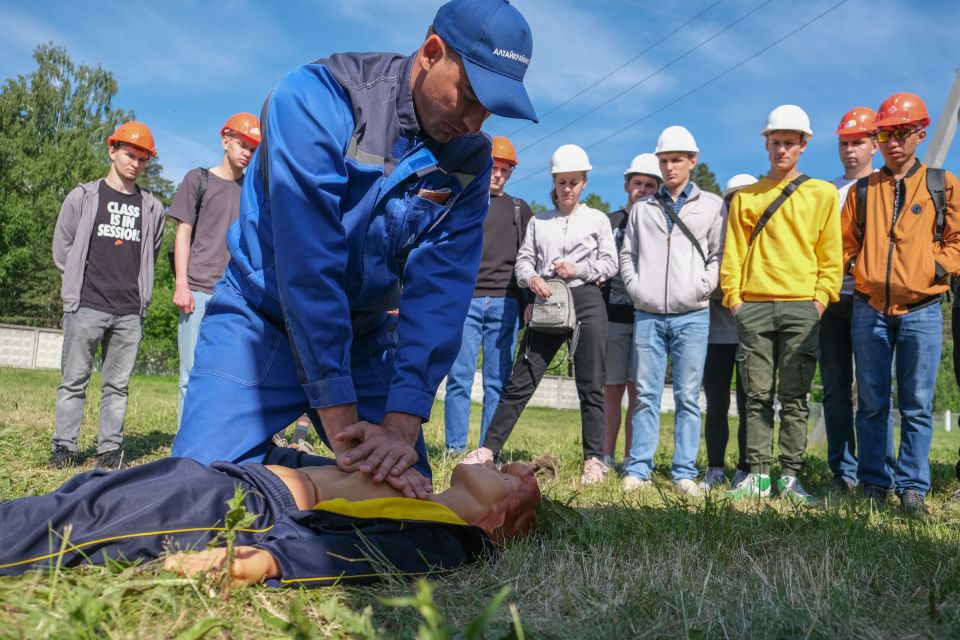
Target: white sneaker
[[479, 456], [633, 483], [594, 471], [713, 479], [686, 487]]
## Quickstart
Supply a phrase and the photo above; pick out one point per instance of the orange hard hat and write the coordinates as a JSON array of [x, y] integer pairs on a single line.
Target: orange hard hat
[[135, 134], [503, 150], [902, 108], [244, 125], [857, 122]]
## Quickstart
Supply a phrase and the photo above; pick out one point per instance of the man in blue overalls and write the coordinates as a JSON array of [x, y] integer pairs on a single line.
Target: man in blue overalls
[[367, 193]]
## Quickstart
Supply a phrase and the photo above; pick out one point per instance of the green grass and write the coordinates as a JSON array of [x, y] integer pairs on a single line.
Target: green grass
[[649, 565]]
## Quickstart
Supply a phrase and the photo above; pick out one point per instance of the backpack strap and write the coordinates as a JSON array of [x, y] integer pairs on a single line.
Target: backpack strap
[[861, 211], [201, 189], [788, 190], [516, 222], [936, 185], [683, 228]]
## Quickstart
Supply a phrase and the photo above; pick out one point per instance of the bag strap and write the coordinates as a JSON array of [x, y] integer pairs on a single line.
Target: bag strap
[[683, 228], [788, 190], [201, 189], [516, 222], [861, 211], [936, 185]]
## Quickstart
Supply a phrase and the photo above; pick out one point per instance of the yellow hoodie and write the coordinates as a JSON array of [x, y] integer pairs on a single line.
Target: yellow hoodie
[[797, 256]]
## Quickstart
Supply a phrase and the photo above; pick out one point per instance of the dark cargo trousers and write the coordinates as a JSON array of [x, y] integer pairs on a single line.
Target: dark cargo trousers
[[778, 354]]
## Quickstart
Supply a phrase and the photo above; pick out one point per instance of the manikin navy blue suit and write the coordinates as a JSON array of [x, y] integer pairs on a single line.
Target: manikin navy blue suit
[[363, 213], [179, 504]]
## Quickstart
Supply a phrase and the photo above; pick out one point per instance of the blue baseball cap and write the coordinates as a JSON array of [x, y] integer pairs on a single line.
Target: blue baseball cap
[[495, 44]]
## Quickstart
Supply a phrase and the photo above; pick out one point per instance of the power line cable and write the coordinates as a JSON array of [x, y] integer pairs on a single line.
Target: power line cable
[[701, 85], [648, 76], [602, 78]]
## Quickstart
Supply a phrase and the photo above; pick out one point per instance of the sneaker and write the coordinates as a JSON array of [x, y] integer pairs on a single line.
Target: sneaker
[[594, 471], [686, 487], [713, 479], [790, 489], [876, 495], [479, 456], [911, 503], [112, 460], [738, 477], [633, 483], [755, 485], [61, 457], [843, 484], [279, 439]]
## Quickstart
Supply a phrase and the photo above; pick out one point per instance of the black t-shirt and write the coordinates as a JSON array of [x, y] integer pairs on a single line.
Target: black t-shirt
[[619, 313], [495, 277], [111, 278]]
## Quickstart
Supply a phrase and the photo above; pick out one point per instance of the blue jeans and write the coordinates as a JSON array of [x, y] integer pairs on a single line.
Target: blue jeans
[[188, 329], [656, 336], [912, 342], [492, 324], [244, 386]]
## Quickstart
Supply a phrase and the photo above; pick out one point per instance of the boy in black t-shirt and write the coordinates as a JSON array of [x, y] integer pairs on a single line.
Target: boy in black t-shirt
[[105, 245]]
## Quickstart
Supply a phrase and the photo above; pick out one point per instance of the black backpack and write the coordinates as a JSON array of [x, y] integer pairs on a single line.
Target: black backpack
[[936, 186]]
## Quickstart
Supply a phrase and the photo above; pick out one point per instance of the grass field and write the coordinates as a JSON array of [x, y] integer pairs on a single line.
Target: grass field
[[636, 566]]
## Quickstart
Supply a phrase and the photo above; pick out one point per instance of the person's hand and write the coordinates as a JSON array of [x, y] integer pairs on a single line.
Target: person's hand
[[565, 269], [183, 298], [820, 307], [527, 314], [377, 450], [735, 309], [539, 286], [412, 483]]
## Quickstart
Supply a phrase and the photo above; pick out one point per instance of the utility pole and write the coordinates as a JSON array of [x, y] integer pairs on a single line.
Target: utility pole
[[939, 142]]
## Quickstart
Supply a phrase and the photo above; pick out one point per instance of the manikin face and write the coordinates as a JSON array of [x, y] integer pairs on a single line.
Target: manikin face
[[445, 103], [238, 150], [485, 483], [857, 152], [675, 167], [784, 149], [640, 185], [568, 186], [129, 161], [501, 172]]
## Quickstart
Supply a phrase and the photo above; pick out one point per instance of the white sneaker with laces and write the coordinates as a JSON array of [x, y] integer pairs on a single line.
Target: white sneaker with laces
[[633, 483], [594, 471], [478, 456], [686, 487]]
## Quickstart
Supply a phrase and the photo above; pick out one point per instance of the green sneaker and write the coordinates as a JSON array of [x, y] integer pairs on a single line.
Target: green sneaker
[[755, 485], [790, 489]]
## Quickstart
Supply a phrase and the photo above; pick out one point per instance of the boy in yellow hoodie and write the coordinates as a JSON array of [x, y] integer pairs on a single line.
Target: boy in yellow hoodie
[[781, 268]]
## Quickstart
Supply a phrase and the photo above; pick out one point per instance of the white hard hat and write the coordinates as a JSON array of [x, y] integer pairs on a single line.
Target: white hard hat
[[737, 182], [645, 163], [569, 157], [676, 138], [788, 117]]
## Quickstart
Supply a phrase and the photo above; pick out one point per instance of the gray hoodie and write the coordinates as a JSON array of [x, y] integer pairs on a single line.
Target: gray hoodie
[[662, 271], [71, 242]]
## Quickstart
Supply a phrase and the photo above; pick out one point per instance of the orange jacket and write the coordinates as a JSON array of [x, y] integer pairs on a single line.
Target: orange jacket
[[898, 273]]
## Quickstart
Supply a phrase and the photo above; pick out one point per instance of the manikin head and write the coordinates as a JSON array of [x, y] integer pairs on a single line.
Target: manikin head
[[509, 497]]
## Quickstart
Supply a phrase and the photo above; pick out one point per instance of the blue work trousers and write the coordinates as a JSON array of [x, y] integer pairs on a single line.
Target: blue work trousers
[[492, 324]]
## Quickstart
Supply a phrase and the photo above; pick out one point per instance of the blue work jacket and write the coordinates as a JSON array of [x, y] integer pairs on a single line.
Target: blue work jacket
[[364, 213]]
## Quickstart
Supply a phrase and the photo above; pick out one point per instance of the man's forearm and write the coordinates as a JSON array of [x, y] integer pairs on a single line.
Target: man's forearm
[[181, 253]]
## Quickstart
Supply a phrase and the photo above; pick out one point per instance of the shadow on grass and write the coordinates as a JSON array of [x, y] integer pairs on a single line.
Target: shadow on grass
[[136, 445]]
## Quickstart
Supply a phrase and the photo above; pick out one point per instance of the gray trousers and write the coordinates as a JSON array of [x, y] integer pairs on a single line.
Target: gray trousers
[[83, 331]]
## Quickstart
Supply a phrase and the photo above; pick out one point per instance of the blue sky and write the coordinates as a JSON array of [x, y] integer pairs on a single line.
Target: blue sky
[[184, 67]]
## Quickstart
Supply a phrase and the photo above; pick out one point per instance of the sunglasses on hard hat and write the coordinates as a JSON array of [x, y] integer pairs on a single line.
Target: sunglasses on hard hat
[[901, 134]]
